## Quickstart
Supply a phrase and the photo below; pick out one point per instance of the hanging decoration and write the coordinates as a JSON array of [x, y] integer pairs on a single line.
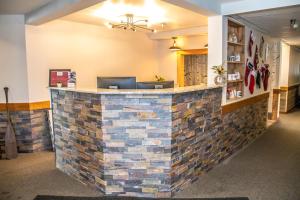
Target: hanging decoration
[[257, 72], [265, 75], [252, 81], [249, 68], [250, 44], [261, 47], [258, 78], [256, 59]]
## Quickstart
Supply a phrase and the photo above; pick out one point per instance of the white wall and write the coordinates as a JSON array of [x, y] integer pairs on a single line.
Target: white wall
[[13, 73], [290, 65], [89, 50], [217, 47], [284, 64], [167, 60]]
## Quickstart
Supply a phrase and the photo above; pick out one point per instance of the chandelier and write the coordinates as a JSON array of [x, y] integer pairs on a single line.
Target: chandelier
[[132, 25]]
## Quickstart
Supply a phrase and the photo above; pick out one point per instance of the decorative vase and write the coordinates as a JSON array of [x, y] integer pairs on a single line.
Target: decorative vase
[[219, 79]]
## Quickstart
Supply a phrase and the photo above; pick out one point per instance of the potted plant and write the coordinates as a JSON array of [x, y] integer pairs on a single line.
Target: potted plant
[[220, 71], [159, 78]]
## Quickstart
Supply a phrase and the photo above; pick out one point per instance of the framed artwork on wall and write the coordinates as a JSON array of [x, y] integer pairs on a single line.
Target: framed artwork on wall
[[59, 77]]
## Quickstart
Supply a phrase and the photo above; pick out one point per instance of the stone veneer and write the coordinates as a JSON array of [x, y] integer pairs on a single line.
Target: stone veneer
[[148, 145], [31, 128]]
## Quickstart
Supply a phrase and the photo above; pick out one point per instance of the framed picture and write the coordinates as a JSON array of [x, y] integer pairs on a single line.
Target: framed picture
[[59, 77]]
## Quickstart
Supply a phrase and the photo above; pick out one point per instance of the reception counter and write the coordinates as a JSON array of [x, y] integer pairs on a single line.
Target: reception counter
[[146, 143]]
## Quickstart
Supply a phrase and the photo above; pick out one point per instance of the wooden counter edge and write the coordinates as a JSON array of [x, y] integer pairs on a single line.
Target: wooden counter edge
[[236, 105], [26, 106]]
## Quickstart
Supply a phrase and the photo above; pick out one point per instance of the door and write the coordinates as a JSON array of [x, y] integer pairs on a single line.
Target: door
[[195, 69]]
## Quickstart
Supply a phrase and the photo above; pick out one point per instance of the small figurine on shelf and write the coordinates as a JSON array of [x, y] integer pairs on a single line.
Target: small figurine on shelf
[[238, 57], [233, 38], [220, 71]]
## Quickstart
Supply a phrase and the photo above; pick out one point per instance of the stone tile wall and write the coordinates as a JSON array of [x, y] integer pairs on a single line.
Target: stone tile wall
[[137, 144], [31, 129], [196, 124], [78, 136], [202, 137], [148, 145]]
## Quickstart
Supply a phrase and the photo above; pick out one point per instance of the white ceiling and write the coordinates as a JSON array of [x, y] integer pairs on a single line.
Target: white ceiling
[[226, 1], [174, 17], [276, 22], [20, 7]]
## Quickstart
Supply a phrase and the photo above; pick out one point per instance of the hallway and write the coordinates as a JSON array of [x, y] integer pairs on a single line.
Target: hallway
[[267, 170]]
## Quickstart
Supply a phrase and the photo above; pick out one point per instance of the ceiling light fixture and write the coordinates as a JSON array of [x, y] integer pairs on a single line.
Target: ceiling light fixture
[[174, 47], [294, 23], [132, 25]]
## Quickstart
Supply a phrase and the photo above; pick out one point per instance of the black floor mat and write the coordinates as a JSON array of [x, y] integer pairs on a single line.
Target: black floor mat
[[44, 197]]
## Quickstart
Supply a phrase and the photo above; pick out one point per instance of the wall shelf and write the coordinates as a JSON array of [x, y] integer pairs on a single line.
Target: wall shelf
[[236, 81], [235, 48], [235, 44], [235, 62]]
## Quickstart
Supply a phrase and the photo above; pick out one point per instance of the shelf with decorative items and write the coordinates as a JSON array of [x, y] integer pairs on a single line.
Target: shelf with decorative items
[[235, 60]]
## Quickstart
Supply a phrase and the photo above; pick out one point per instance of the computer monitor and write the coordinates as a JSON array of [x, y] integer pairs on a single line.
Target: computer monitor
[[116, 82], [155, 85]]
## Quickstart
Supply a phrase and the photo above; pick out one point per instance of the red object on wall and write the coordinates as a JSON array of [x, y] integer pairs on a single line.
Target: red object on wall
[[252, 81], [59, 76]]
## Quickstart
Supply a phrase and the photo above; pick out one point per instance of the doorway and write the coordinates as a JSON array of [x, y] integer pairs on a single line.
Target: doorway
[[192, 67]]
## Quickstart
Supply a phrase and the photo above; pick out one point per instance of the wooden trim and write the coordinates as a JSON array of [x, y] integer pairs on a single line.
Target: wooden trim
[[287, 88], [180, 70], [193, 52], [276, 91], [236, 105], [26, 106], [180, 62]]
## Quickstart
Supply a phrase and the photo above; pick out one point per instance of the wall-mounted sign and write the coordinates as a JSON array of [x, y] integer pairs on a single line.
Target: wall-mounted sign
[[59, 77]]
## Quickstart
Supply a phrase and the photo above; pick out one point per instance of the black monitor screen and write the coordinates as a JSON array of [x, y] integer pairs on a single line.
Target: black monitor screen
[[116, 82], [155, 85]]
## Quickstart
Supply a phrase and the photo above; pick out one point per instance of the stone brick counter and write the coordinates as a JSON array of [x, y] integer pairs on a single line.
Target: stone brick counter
[[147, 144]]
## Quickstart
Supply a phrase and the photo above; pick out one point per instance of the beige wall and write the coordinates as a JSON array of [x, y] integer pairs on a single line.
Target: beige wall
[[13, 73], [89, 50], [167, 60]]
